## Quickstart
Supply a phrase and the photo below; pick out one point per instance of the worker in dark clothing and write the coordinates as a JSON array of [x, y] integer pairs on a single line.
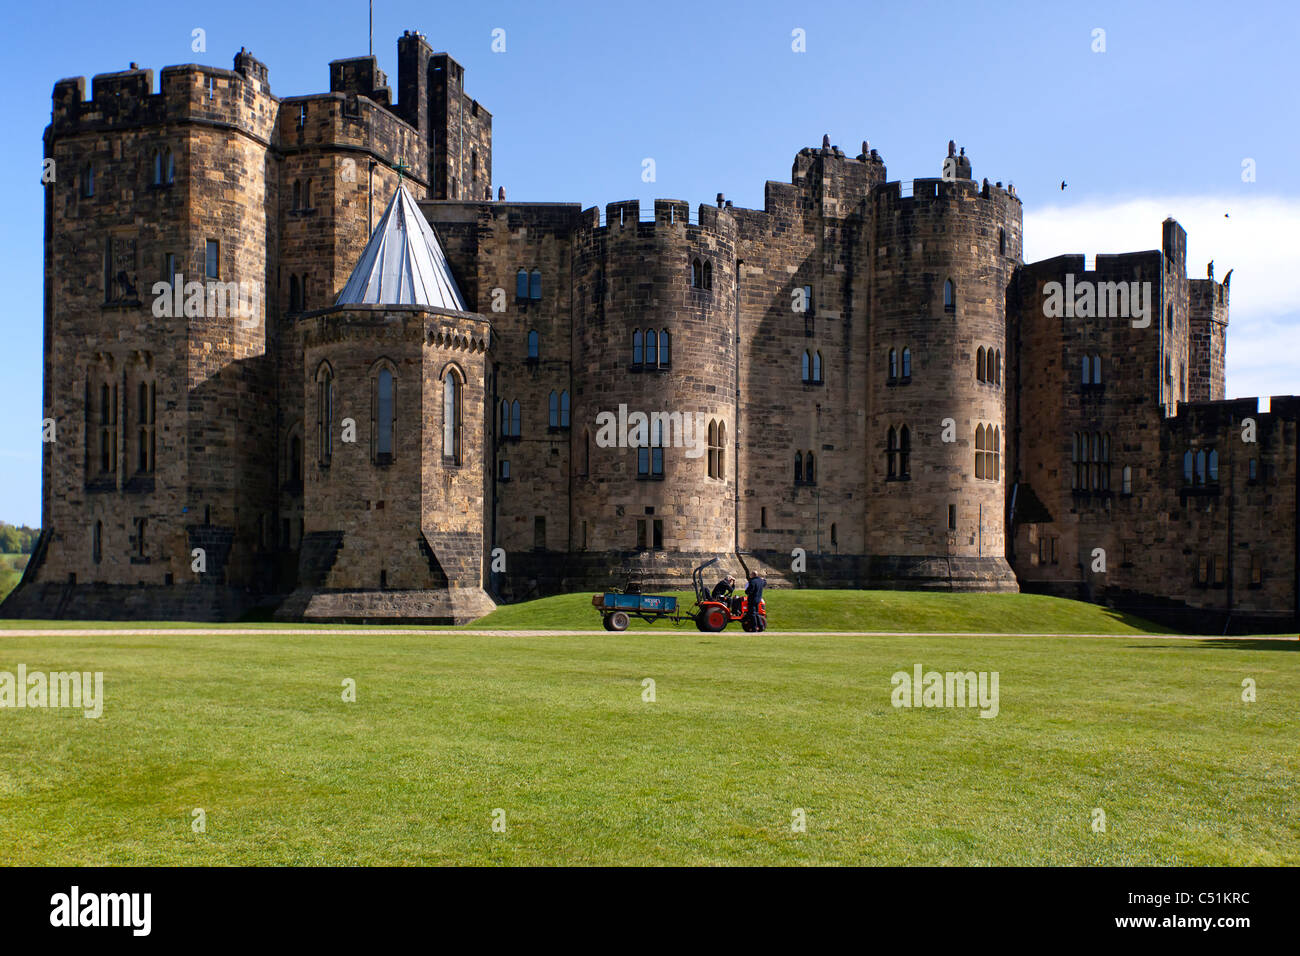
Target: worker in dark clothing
[[723, 588], [754, 592]]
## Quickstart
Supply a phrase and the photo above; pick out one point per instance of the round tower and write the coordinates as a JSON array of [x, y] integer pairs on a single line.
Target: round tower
[[937, 389], [654, 343]]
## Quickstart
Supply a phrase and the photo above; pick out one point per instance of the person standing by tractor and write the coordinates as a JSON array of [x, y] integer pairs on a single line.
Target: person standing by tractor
[[754, 592]]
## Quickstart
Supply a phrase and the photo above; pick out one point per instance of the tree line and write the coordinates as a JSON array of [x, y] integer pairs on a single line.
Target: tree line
[[17, 540]]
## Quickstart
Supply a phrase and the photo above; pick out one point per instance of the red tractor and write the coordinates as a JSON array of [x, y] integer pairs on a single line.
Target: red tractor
[[714, 615]]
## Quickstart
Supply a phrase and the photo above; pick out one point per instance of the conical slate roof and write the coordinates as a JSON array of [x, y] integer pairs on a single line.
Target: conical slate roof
[[402, 263]]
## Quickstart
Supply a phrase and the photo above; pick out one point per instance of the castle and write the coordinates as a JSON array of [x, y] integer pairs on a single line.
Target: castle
[[403, 424]]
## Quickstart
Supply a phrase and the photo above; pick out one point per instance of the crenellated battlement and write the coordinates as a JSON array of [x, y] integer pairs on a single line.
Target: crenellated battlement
[[672, 218], [901, 193], [187, 93]]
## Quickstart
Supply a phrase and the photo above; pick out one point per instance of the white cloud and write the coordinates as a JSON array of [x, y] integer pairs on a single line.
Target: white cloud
[[1259, 241]]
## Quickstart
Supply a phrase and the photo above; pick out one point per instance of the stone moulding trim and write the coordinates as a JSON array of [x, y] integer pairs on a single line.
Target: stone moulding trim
[[458, 340]]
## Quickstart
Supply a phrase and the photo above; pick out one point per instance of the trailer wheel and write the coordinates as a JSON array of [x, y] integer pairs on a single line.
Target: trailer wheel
[[604, 622], [618, 621]]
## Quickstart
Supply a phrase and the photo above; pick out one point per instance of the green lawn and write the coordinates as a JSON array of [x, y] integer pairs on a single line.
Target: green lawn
[[745, 730], [788, 610], [816, 610]]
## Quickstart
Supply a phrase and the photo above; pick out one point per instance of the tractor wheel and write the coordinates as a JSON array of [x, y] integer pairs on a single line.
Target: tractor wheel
[[747, 624], [711, 619], [618, 621]]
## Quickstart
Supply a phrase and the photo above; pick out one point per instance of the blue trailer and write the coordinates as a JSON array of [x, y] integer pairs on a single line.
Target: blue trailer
[[617, 610]]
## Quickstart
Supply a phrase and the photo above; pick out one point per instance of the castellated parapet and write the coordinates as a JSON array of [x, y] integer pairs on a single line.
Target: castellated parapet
[[891, 403]]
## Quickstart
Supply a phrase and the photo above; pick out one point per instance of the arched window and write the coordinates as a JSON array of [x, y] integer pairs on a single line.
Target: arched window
[[891, 453], [1214, 465], [504, 430], [97, 542], [1096, 370], [535, 284], [325, 413], [1169, 317], [713, 449], [169, 167], [297, 194], [146, 407], [979, 452], [521, 284], [1080, 459], [564, 409], [834, 537], [979, 364], [452, 389], [657, 448], [107, 428], [697, 274], [722, 446], [996, 452], [1187, 467], [949, 296], [88, 180], [382, 414], [515, 419], [1087, 370], [893, 363], [1002, 242], [651, 348], [554, 404], [637, 339], [904, 452], [1105, 462], [155, 177], [534, 344], [665, 349], [1200, 467], [907, 363], [997, 367], [817, 367], [809, 472], [798, 466], [807, 367], [708, 274], [1126, 480]]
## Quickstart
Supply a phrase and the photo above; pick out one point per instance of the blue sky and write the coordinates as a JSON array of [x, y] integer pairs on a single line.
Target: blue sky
[[1157, 125]]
